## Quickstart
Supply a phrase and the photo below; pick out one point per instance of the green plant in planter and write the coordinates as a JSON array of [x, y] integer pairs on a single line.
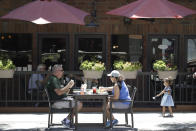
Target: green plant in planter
[[160, 65], [92, 65], [127, 66], [6, 64]]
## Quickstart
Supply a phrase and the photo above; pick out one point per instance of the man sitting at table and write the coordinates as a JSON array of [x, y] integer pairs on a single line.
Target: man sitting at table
[[58, 92]]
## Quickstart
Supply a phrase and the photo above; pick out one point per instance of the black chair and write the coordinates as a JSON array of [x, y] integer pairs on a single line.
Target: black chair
[[53, 110], [132, 91]]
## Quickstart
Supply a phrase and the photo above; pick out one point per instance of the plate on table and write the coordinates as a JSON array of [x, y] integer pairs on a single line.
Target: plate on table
[[103, 93], [76, 91]]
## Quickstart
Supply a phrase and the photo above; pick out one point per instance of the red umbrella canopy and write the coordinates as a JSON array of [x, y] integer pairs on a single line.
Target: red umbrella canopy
[[48, 11], [152, 9]]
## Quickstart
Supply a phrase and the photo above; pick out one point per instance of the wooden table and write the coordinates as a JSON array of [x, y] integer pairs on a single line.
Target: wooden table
[[89, 98]]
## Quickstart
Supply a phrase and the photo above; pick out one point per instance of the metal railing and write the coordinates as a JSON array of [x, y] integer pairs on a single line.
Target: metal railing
[[14, 91]]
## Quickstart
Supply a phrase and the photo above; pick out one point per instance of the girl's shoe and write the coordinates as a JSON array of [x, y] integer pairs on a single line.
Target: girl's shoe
[[163, 114], [170, 115]]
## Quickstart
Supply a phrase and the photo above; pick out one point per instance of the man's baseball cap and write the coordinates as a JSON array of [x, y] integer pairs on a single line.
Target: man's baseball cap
[[114, 73]]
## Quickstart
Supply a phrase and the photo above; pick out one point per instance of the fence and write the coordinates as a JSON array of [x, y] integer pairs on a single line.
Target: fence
[[15, 92]]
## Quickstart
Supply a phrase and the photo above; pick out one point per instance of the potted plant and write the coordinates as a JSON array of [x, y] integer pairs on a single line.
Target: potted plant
[[127, 69], [92, 69], [6, 68], [165, 69]]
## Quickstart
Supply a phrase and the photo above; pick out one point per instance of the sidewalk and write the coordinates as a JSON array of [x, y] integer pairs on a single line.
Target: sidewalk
[[143, 122]]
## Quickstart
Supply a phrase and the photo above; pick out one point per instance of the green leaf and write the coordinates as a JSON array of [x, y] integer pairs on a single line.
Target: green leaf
[[160, 65], [126, 65], [6, 64], [92, 65]]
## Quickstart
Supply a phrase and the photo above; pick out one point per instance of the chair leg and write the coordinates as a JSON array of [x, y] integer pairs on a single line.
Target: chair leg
[[126, 119], [71, 118], [132, 122], [111, 115], [49, 120]]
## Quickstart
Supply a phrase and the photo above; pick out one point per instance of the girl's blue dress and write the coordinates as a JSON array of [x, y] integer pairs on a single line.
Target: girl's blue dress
[[167, 98]]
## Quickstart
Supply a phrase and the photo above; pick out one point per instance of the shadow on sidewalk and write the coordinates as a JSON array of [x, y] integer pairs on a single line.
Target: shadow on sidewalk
[[80, 128], [93, 127], [180, 126]]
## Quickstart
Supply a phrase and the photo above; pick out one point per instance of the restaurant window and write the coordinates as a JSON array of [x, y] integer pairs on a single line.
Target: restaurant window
[[164, 48], [17, 47], [89, 47], [191, 53], [53, 50], [126, 47], [191, 50]]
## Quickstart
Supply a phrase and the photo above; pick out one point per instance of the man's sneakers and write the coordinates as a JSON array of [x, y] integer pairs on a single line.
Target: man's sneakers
[[114, 122], [108, 124], [66, 123]]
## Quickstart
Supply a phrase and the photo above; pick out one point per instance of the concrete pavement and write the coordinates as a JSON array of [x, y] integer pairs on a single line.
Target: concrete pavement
[[143, 122]]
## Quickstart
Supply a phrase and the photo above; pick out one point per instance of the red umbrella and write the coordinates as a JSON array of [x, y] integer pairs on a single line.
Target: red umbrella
[[152, 9], [48, 11]]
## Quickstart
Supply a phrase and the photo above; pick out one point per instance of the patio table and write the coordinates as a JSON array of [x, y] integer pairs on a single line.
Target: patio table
[[89, 98]]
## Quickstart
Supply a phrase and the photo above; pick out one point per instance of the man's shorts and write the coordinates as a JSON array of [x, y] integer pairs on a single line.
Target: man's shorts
[[64, 103]]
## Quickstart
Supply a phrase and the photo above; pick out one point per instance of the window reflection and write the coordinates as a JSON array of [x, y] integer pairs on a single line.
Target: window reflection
[[53, 51], [89, 49], [17, 47], [126, 47], [163, 48], [191, 50]]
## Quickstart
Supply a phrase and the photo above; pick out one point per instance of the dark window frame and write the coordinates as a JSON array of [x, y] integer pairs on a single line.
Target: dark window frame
[[104, 46], [142, 44], [149, 48], [186, 37], [41, 36], [30, 44]]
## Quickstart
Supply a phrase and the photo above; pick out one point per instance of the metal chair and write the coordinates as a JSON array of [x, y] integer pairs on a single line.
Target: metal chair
[[53, 110], [132, 91]]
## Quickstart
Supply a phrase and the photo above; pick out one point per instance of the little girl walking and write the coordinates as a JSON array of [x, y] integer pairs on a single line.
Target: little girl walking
[[167, 98]]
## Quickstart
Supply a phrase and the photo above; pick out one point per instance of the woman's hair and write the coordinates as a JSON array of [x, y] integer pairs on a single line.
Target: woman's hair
[[168, 80], [119, 81]]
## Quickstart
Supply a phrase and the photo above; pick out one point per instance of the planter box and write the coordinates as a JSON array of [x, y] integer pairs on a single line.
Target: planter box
[[129, 74], [6, 73], [92, 74], [166, 74]]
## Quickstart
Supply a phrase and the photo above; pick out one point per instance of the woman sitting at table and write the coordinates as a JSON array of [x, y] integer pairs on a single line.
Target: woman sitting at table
[[120, 92]]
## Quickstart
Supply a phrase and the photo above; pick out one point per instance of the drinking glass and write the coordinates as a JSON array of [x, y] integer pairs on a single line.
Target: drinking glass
[[94, 90]]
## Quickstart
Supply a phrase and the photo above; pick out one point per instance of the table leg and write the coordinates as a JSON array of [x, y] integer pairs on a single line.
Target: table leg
[[104, 112], [76, 113]]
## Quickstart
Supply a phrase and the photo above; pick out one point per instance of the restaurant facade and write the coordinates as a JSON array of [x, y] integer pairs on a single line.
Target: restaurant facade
[[111, 38]]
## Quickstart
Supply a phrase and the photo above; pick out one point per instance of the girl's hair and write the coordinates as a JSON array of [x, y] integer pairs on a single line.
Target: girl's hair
[[168, 80]]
